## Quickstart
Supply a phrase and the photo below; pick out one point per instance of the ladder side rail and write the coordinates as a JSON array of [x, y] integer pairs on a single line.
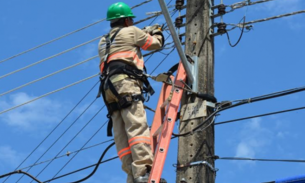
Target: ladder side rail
[[168, 126]]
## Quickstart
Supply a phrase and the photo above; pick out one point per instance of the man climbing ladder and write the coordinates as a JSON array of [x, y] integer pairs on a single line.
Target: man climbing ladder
[[122, 88]]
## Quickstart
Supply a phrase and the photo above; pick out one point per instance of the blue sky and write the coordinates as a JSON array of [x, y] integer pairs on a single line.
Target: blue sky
[[269, 58]]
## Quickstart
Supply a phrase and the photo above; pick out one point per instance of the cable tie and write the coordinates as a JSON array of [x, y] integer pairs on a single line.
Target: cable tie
[[249, 100]]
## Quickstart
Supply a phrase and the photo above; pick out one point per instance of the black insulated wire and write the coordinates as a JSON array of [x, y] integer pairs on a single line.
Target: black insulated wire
[[241, 34], [81, 180], [242, 102], [20, 172], [97, 165], [261, 115], [55, 128]]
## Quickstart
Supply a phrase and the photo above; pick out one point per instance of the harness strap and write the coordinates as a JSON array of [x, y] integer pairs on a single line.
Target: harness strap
[[114, 106]]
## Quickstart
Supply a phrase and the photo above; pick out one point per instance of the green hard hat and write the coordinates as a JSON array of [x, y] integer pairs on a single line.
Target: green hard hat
[[119, 10]]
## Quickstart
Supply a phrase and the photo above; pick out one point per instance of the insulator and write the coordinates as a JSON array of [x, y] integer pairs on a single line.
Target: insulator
[[178, 21], [179, 4], [221, 28], [221, 9]]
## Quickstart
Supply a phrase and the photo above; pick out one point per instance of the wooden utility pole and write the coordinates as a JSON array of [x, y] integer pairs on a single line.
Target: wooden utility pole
[[198, 146]]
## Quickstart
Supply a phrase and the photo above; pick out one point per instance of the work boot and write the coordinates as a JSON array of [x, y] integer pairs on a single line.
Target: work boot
[[144, 179]]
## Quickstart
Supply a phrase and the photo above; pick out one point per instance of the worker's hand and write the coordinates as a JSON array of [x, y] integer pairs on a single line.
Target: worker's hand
[[151, 29]]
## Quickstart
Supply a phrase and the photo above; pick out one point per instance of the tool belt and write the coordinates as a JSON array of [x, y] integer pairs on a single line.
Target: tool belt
[[120, 67]]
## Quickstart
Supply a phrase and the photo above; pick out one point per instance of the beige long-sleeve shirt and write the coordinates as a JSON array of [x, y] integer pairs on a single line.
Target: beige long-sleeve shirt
[[126, 47]]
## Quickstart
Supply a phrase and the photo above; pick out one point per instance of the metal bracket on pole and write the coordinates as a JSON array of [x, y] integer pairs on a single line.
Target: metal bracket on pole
[[176, 40]]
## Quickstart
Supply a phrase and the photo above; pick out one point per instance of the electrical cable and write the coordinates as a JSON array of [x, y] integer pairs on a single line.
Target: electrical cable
[[84, 168], [71, 140], [87, 26], [81, 147], [44, 95], [49, 75], [243, 4], [20, 172], [275, 17], [66, 154], [162, 61], [68, 50], [81, 180], [98, 164], [61, 136], [241, 34], [55, 127], [81, 169], [254, 159], [242, 102], [48, 58], [261, 115]]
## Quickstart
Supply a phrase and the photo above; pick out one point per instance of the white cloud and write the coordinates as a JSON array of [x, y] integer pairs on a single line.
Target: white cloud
[[254, 139], [9, 157], [40, 113]]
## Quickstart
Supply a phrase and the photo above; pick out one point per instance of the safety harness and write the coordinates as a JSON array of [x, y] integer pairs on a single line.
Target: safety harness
[[120, 67]]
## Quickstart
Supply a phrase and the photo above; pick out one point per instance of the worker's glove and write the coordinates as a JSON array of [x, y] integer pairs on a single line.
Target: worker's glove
[[151, 29], [155, 30], [159, 32]]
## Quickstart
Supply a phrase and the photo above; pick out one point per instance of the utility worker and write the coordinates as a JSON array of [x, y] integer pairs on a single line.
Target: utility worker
[[122, 88]]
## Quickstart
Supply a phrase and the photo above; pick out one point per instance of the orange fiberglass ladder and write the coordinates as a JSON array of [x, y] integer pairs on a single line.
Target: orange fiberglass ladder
[[164, 121]]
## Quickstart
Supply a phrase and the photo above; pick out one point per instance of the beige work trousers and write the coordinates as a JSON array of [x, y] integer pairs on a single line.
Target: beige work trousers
[[131, 132]]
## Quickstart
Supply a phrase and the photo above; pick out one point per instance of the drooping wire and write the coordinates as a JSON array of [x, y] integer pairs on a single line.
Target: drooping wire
[[56, 39], [56, 127], [61, 135], [241, 34]]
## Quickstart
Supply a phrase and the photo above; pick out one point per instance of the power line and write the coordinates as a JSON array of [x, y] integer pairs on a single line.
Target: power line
[[272, 18], [84, 168], [261, 115], [45, 59], [65, 87], [20, 172], [55, 127], [81, 148], [76, 133], [81, 169], [61, 135], [242, 102], [49, 75], [66, 154], [254, 159], [87, 26], [244, 3]]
